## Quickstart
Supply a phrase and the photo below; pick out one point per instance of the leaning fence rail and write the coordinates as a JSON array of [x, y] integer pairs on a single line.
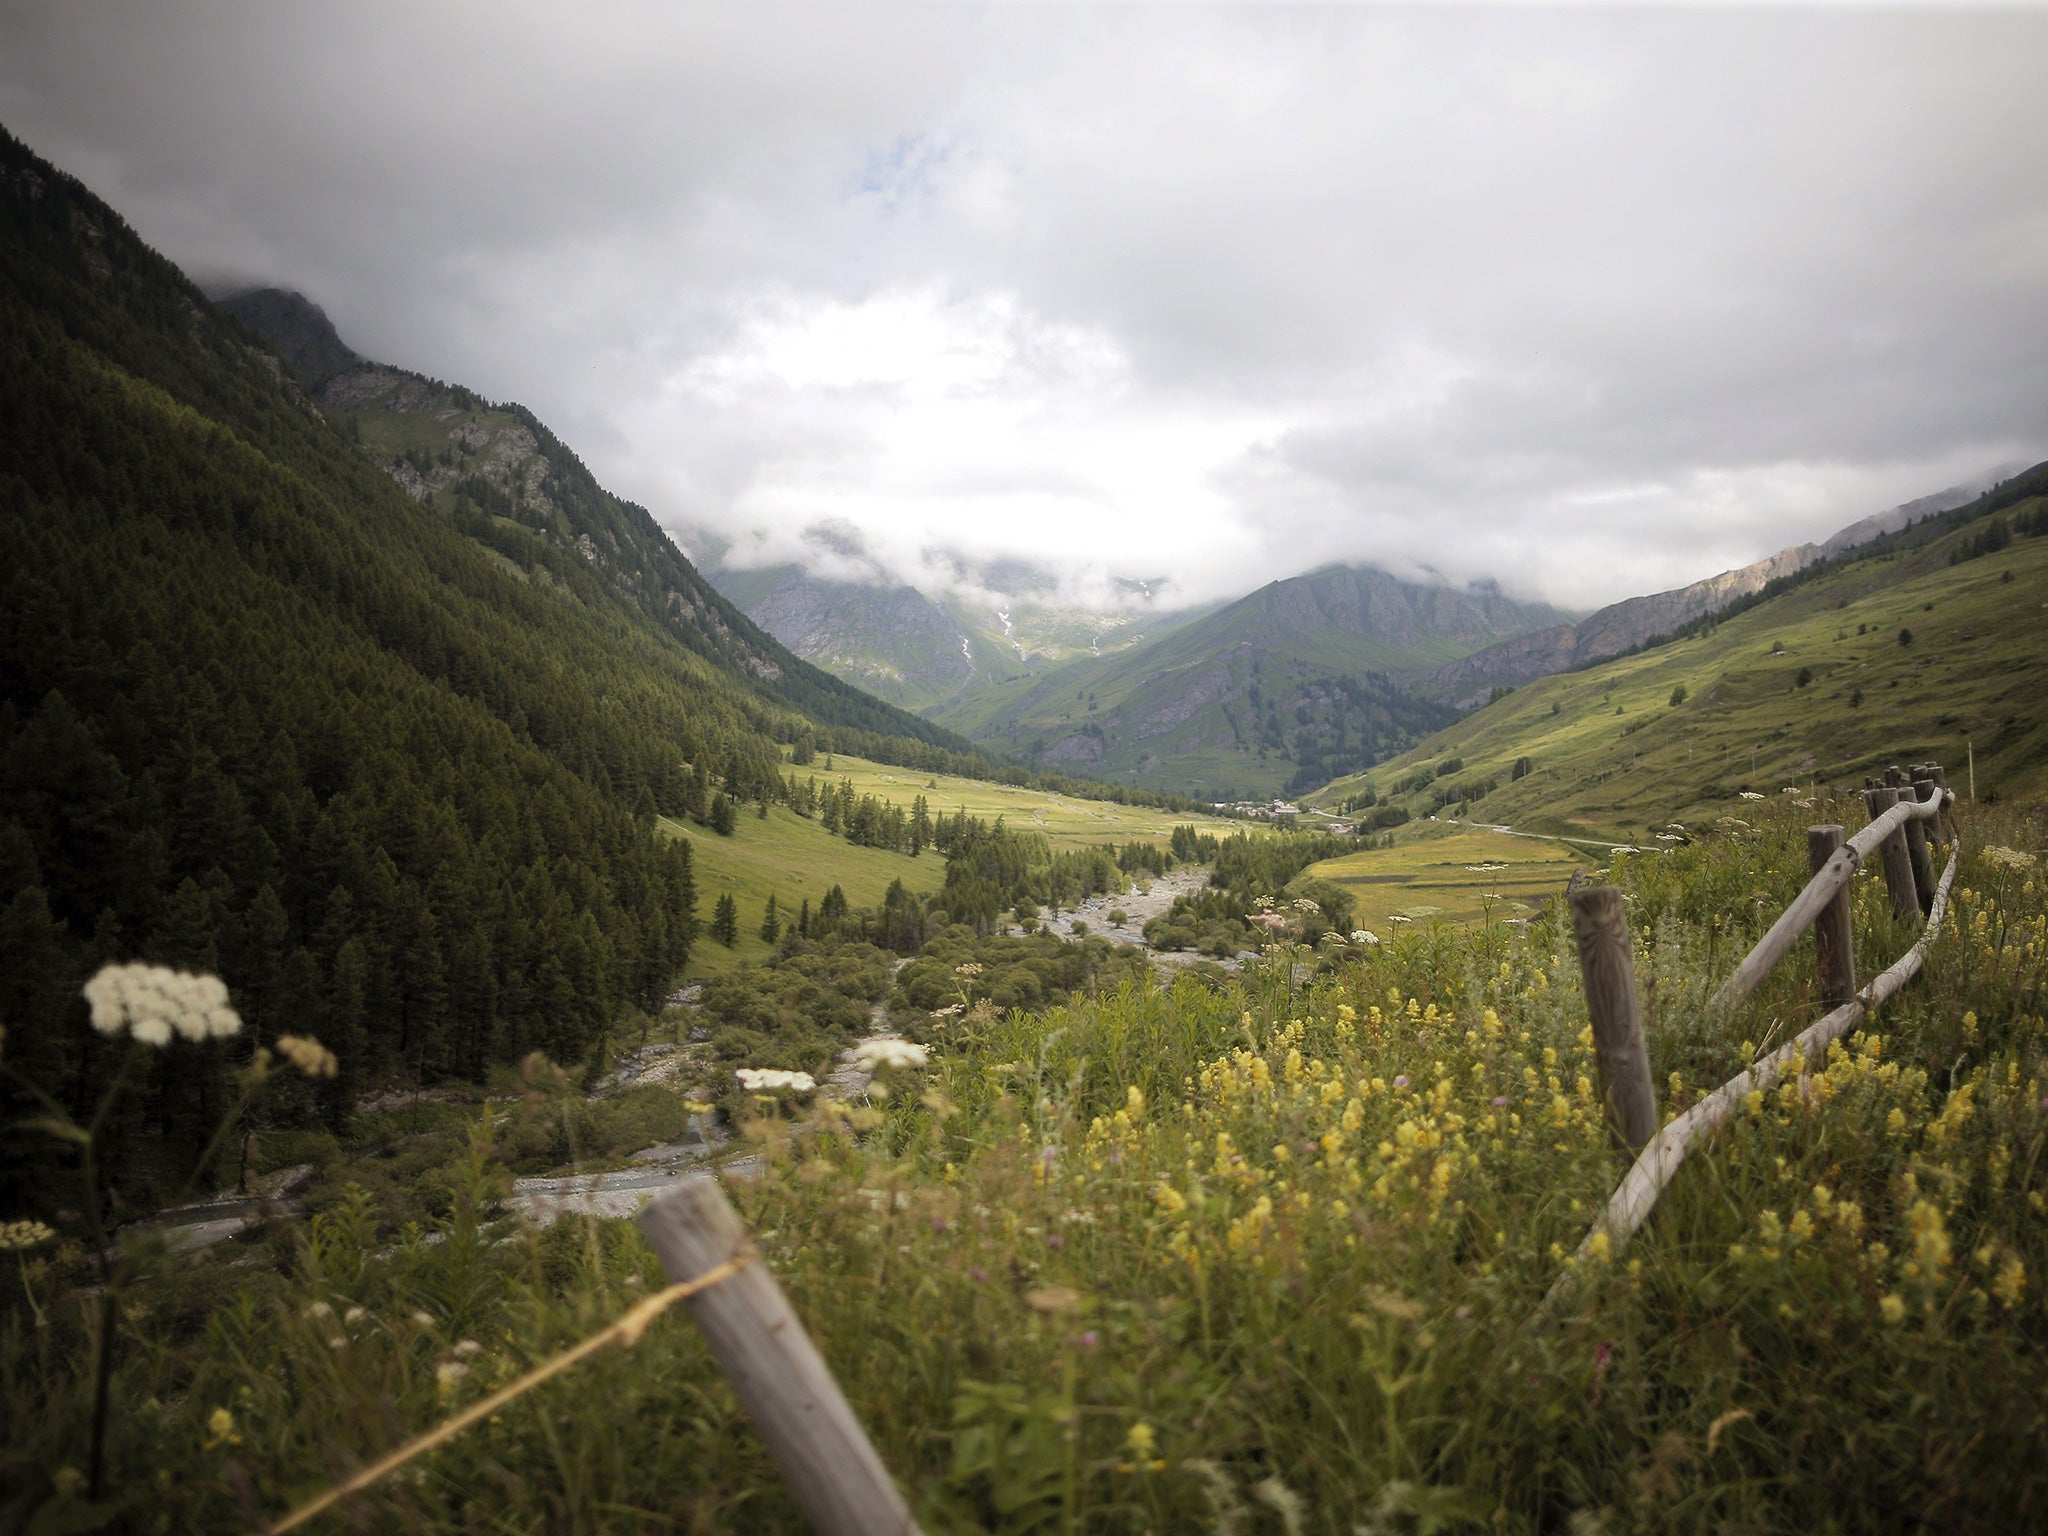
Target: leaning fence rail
[[759, 1343], [1903, 813]]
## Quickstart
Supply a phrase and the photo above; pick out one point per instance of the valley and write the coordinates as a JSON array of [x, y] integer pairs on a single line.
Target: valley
[[397, 822]]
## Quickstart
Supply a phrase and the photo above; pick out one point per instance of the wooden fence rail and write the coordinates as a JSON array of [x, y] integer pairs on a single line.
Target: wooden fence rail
[[1887, 823], [1823, 905]]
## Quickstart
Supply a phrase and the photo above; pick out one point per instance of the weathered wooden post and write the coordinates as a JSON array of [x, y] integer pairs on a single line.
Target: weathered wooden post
[[1947, 819], [1609, 972], [774, 1368], [1898, 862], [1919, 843], [1833, 941]]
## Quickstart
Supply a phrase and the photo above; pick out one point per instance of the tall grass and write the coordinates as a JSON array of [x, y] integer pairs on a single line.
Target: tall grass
[[1264, 1258]]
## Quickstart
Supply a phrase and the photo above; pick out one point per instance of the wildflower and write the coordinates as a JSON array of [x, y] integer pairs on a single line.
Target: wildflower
[[149, 1002], [2011, 1283], [1750, 794], [1600, 1249], [763, 1079], [872, 1055], [18, 1236], [220, 1429], [308, 1055], [467, 1347], [2008, 858], [1893, 1308], [1138, 1439], [1930, 1237], [1364, 936], [447, 1374]]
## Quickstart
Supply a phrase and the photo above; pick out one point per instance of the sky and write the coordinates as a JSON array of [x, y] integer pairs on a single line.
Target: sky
[[1588, 302]]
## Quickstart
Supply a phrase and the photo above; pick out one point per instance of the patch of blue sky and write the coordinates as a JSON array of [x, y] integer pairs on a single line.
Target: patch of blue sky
[[905, 172]]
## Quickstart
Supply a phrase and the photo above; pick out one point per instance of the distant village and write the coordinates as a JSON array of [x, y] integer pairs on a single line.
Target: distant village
[[1280, 812]]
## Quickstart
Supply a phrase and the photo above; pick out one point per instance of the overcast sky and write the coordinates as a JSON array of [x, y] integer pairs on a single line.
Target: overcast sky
[[1590, 302]]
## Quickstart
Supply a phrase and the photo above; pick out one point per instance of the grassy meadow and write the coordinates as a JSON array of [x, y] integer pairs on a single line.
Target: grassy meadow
[[1455, 875], [1066, 820], [794, 859], [1264, 1256], [1614, 756]]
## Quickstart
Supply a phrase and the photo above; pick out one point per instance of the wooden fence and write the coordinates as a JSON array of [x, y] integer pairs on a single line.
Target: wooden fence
[[1910, 817]]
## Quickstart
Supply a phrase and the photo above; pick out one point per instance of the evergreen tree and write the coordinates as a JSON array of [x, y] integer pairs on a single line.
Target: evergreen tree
[[723, 818], [771, 923], [725, 921]]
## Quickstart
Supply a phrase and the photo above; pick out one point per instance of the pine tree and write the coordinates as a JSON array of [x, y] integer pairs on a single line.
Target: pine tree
[[725, 921], [723, 818], [771, 923]]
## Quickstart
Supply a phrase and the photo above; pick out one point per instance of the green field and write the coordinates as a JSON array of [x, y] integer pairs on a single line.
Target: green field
[[1069, 822], [1456, 875], [792, 859], [1612, 755]]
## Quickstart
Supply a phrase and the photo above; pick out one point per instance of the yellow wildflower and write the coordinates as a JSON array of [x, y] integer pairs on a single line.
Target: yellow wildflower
[[1893, 1308], [2011, 1284]]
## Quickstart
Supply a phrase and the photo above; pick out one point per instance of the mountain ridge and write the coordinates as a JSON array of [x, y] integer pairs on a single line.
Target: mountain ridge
[[1611, 631]]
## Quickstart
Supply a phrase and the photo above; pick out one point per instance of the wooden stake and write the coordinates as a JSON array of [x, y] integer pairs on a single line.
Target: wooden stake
[[1834, 943], [1898, 861], [1916, 852], [774, 1369], [1609, 972]]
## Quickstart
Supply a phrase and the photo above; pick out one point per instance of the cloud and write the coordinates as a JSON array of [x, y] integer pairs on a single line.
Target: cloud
[[1590, 302]]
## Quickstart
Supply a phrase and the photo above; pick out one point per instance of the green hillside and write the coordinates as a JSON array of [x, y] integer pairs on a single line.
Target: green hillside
[[1892, 657]]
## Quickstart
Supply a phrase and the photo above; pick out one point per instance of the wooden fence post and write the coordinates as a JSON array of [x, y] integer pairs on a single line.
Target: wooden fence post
[[1833, 940], [1920, 837], [774, 1368], [1946, 820], [1898, 862], [1609, 972]]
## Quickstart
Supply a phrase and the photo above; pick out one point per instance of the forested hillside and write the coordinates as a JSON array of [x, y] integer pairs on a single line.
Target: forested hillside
[[473, 459]]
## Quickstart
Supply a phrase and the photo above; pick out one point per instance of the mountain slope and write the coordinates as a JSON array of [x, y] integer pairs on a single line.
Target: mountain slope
[[460, 454], [1927, 645], [1614, 629], [941, 656], [1274, 692]]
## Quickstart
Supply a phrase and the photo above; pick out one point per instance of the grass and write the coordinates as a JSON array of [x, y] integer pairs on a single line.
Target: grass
[[1613, 756], [1067, 821], [1454, 875], [794, 859], [1258, 1259]]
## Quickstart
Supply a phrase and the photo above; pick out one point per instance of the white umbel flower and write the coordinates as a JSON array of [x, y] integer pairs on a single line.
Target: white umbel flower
[[873, 1055], [150, 1002], [765, 1079]]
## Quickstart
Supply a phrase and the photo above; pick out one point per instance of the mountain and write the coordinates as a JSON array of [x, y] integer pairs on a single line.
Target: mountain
[[1924, 643], [934, 654], [1616, 628], [1278, 691], [466, 457]]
